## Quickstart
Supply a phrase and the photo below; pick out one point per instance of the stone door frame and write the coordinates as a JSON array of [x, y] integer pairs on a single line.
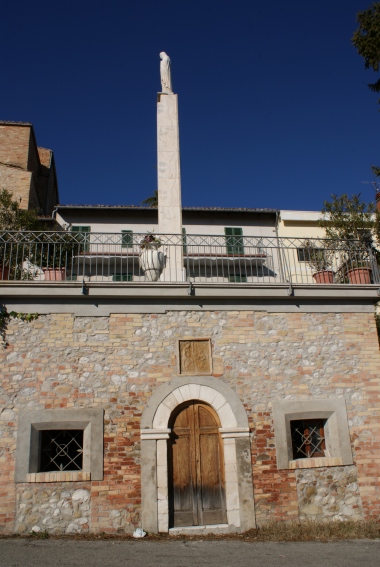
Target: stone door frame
[[236, 442]]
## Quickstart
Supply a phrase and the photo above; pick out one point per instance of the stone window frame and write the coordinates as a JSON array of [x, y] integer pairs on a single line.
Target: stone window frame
[[336, 431], [179, 356], [27, 451]]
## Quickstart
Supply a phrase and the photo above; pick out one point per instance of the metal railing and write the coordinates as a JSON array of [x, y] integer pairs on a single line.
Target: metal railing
[[103, 257]]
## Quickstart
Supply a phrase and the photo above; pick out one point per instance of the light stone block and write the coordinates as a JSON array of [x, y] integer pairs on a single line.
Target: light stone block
[[231, 476], [226, 416], [178, 396], [233, 518], [162, 452], [185, 392], [232, 496], [162, 492], [218, 401], [170, 402], [208, 394], [229, 452], [195, 391], [162, 476], [162, 506], [161, 417]]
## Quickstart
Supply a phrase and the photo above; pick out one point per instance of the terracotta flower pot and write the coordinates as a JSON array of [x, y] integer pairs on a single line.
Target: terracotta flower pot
[[54, 274], [359, 275], [4, 273], [324, 277]]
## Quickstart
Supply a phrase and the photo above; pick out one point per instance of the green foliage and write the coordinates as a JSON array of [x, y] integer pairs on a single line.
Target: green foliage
[[349, 223], [377, 321], [348, 218], [366, 39], [151, 201], [5, 316], [12, 217], [55, 249], [318, 258]]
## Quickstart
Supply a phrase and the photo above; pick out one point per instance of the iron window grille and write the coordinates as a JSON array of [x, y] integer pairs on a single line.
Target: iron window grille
[[61, 450], [308, 438]]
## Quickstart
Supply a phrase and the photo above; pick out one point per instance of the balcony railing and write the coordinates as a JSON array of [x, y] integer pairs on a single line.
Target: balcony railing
[[99, 257]]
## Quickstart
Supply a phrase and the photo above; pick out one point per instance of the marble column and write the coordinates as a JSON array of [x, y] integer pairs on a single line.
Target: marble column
[[169, 184]]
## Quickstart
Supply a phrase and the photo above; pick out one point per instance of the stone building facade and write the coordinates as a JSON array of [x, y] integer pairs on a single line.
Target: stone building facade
[[26, 170], [120, 373]]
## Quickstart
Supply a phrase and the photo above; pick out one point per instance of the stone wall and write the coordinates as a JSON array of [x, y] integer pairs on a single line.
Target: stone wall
[[116, 363], [63, 508], [331, 493]]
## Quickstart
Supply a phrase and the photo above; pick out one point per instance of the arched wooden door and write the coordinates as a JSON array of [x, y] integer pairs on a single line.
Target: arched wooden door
[[196, 468]]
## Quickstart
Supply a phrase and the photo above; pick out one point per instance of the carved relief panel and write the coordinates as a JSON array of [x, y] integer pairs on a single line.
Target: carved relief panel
[[195, 356]]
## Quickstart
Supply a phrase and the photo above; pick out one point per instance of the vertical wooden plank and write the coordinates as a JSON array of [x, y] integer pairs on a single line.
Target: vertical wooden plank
[[196, 470]]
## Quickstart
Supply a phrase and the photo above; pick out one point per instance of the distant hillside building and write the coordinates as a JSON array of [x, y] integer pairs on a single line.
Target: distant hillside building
[[26, 170]]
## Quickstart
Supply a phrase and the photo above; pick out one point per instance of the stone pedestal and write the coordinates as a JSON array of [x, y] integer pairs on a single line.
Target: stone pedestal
[[169, 183]]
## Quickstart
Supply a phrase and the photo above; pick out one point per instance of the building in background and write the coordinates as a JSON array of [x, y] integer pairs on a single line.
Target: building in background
[[26, 170]]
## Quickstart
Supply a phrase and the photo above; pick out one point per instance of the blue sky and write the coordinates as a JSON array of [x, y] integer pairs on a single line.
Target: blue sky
[[273, 98]]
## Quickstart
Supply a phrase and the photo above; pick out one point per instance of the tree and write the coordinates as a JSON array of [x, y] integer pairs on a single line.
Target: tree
[[348, 218], [151, 201], [12, 217], [366, 39]]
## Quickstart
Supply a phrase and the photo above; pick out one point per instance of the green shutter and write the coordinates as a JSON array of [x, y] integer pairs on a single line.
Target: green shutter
[[85, 238], [124, 277], [237, 278], [234, 240], [127, 239], [184, 240]]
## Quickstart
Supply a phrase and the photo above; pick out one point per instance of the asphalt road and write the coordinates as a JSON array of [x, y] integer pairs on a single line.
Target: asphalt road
[[68, 553]]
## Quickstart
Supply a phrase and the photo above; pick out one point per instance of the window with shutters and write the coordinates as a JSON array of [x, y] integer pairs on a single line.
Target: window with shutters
[[122, 277], [234, 240], [237, 278], [184, 240], [83, 236], [127, 239]]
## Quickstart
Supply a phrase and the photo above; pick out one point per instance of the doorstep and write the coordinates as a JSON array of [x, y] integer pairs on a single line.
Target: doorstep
[[204, 529]]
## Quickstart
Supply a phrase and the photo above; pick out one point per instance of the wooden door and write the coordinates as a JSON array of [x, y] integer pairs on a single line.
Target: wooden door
[[196, 471]]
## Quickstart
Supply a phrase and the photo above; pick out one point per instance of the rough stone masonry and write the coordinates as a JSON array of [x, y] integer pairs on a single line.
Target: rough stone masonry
[[116, 363]]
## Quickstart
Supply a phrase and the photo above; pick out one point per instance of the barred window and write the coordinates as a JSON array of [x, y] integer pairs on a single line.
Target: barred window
[[308, 438], [61, 450]]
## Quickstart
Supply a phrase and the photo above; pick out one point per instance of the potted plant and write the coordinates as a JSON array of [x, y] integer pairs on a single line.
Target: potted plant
[[320, 260], [54, 253], [349, 223], [151, 260], [14, 240]]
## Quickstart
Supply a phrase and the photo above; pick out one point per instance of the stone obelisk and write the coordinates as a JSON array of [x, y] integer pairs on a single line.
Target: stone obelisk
[[169, 173]]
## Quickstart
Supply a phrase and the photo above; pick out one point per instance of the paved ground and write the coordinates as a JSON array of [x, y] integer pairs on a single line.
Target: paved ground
[[59, 553]]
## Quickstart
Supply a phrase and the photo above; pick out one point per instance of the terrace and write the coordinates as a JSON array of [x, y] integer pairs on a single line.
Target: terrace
[[121, 259]]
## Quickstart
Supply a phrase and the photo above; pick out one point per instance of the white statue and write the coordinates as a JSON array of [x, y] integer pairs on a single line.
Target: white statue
[[166, 77]]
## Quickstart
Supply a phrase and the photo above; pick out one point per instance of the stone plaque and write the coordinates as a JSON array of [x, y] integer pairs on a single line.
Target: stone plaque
[[195, 356]]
